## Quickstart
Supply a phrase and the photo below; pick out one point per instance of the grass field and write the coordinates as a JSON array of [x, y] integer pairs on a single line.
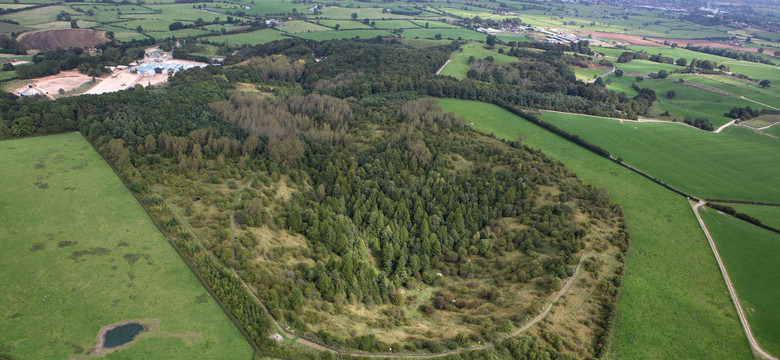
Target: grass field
[[733, 164], [750, 256], [343, 34], [300, 26], [769, 215], [672, 306], [452, 34], [689, 100], [344, 24], [251, 38], [459, 65], [395, 24], [80, 253], [774, 130]]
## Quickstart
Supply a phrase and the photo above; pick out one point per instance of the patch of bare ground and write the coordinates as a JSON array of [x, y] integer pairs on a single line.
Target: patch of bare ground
[[62, 38]]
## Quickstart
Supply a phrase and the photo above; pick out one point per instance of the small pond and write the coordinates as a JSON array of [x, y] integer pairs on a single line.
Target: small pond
[[121, 335]]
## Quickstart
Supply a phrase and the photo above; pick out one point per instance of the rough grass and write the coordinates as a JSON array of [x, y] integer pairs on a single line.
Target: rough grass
[[733, 164], [459, 64], [749, 254], [674, 303], [80, 253]]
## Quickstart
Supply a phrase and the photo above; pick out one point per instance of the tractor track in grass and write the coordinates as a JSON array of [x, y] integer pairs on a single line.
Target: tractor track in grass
[[742, 318]]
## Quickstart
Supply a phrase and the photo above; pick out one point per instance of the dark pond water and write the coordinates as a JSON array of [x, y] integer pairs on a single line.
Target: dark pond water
[[121, 335]]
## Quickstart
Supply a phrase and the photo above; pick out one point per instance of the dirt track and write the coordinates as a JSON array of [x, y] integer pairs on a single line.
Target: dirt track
[[742, 318], [62, 38]]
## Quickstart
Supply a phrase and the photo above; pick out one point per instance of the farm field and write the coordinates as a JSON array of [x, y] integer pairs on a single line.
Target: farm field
[[343, 34], [459, 64], [747, 252], [79, 253], [689, 101], [733, 164], [251, 38], [344, 24], [452, 34], [660, 314], [769, 215], [774, 130]]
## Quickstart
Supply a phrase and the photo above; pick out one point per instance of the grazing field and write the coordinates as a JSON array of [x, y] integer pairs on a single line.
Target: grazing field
[[774, 130], [671, 306], [769, 215], [395, 24], [79, 253], [750, 256], [64, 38], [452, 34], [690, 100], [734, 164], [300, 26], [343, 34], [251, 38], [459, 64], [344, 24]]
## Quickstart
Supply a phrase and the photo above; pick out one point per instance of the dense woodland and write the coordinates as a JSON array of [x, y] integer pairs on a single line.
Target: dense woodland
[[389, 194]]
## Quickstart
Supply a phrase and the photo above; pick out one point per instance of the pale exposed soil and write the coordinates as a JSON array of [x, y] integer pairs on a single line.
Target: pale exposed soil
[[62, 38], [65, 80]]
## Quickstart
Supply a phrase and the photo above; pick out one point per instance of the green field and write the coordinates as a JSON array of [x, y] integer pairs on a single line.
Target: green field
[[734, 164], [300, 26], [672, 306], [774, 130], [452, 34], [750, 256], [769, 215], [689, 101], [80, 253], [395, 24], [459, 64], [343, 34], [251, 38], [344, 24]]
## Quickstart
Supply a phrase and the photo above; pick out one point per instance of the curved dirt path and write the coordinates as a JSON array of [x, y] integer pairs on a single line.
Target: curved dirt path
[[742, 318], [732, 122], [753, 101]]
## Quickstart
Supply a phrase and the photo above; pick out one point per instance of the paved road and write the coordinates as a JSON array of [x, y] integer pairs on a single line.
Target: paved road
[[742, 318]]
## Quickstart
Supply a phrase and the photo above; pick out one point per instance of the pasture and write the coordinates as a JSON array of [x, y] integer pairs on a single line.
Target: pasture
[[749, 254], [661, 313], [769, 215], [690, 100], [459, 64], [79, 253], [452, 34], [251, 38], [734, 164], [343, 34]]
